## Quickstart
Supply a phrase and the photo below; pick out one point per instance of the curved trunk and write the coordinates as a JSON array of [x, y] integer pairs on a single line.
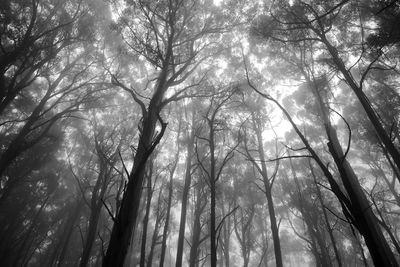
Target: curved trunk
[[125, 222], [357, 89]]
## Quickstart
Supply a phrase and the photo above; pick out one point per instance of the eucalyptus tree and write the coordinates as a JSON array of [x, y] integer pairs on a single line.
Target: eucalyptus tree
[[198, 222], [243, 217], [190, 129], [254, 151], [42, 74], [325, 24], [352, 199], [171, 38], [304, 197], [151, 180], [172, 169], [105, 148], [216, 151], [34, 33], [307, 29]]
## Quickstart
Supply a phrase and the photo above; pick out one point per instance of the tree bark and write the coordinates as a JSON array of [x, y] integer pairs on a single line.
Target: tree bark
[[146, 217], [195, 244], [159, 215], [185, 194], [170, 193]]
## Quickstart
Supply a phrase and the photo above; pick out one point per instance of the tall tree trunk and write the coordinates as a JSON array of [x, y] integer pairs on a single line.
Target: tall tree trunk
[[154, 239], [125, 222], [198, 210], [98, 193], [170, 192], [166, 225], [268, 194], [363, 217], [69, 228], [212, 182], [185, 194], [146, 218], [328, 226], [226, 231], [366, 104]]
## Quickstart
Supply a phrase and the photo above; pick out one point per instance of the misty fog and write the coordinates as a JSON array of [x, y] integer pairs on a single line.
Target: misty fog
[[199, 133]]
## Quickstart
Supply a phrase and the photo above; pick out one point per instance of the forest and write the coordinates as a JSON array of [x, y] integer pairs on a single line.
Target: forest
[[199, 133]]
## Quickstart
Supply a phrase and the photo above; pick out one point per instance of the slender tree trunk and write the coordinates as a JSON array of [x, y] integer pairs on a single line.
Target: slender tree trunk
[[146, 219], [170, 192], [328, 226], [357, 89], [226, 236], [68, 233], [156, 230], [185, 194], [242, 236], [91, 235], [96, 204], [167, 218], [198, 210], [268, 194], [212, 181], [274, 230]]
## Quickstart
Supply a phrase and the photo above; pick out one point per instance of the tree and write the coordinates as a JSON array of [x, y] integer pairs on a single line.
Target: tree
[[305, 22], [213, 169], [268, 181], [175, 45]]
